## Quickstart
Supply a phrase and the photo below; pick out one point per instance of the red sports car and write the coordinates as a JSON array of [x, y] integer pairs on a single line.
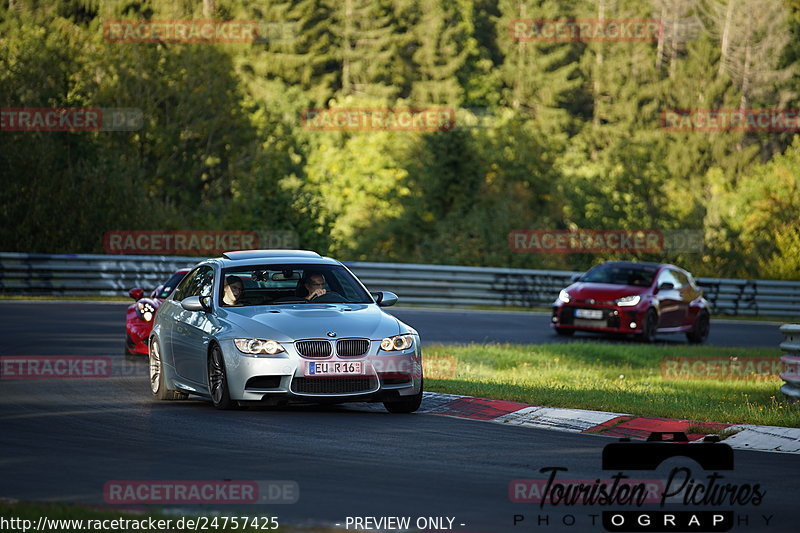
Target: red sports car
[[636, 298], [139, 318]]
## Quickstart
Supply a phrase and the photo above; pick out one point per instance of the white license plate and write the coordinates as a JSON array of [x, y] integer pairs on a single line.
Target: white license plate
[[591, 314], [332, 368]]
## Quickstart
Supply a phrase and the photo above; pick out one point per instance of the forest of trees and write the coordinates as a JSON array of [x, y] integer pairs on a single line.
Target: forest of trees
[[559, 135]]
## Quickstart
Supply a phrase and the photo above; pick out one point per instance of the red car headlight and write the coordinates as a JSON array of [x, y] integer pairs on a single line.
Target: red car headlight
[[146, 309], [628, 301]]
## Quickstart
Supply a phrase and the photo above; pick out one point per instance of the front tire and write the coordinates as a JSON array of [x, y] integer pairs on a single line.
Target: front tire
[[158, 385], [406, 405], [649, 327], [702, 327], [218, 380], [563, 332]]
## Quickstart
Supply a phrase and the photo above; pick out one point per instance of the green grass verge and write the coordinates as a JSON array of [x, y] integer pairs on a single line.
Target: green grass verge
[[623, 378]]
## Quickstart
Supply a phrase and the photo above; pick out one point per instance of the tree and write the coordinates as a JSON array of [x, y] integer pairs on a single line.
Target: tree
[[369, 47], [753, 222], [443, 44], [542, 78], [753, 34]]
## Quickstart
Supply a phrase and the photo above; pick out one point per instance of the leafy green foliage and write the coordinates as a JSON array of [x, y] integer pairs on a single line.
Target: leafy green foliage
[[547, 135]]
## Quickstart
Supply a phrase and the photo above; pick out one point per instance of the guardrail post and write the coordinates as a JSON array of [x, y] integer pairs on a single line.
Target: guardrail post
[[791, 360]]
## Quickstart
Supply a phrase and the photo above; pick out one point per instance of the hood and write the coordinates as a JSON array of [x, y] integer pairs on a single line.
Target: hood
[[286, 323], [603, 292]]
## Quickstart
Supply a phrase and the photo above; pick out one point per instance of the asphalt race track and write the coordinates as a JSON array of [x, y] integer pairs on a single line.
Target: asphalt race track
[[62, 440], [436, 326]]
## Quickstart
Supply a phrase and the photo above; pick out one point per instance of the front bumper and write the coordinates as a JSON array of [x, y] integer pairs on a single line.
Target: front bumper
[[137, 333], [609, 319], [286, 376]]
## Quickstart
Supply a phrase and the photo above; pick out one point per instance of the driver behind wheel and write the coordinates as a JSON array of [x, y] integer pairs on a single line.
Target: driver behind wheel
[[314, 284]]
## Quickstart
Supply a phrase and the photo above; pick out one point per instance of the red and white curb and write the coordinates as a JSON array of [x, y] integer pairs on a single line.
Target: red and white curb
[[746, 437]]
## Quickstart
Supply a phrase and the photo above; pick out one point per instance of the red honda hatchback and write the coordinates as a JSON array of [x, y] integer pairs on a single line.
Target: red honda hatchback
[[634, 298]]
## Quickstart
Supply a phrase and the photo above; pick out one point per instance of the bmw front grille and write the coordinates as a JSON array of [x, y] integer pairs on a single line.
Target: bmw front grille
[[352, 347], [313, 348]]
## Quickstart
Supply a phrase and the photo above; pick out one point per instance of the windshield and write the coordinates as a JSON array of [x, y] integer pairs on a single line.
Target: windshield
[[170, 285], [614, 274], [286, 284]]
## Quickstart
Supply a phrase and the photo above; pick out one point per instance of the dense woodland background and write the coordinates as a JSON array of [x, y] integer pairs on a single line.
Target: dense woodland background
[[562, 135]]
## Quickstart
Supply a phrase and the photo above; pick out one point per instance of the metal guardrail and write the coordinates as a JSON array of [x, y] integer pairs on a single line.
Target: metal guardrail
[[791, 360], [107, 275], [453, 286]]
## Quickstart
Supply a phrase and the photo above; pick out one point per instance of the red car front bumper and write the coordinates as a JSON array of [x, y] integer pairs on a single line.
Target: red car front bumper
[[137, 331], [609, 319]]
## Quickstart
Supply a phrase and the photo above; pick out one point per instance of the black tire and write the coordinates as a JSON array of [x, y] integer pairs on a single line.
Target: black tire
[[563, 332], [158, 386], [406, 405], [702, 326], [649, 327], [218, 380]]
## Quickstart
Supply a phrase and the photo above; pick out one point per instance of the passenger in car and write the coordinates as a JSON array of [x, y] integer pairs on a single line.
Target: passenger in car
[[234, 290]]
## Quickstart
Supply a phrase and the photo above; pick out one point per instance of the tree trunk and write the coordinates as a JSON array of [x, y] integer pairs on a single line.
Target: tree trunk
[[347, 82], [661, 37], [601, 15], [726, 30], [521, 49], [673, 55], [209, 8]]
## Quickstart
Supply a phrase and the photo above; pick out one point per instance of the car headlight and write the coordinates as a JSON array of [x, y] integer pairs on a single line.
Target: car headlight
[[146, 310], [258, 346], [398, 342], [627, 301], [563, 296]]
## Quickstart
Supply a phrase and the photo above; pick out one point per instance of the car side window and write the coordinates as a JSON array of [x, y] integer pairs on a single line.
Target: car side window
[[683, 281], [667, 276], [206, 282], [199, 282], [182, 290]]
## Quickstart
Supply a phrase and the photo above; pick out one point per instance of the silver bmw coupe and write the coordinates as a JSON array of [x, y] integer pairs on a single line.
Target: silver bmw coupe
[[269, 327]]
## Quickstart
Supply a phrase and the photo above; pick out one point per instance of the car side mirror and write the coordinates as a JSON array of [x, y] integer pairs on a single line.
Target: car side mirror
[[136, 293], [385, 298], [197, 303], [666, 286], [575, 277]]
